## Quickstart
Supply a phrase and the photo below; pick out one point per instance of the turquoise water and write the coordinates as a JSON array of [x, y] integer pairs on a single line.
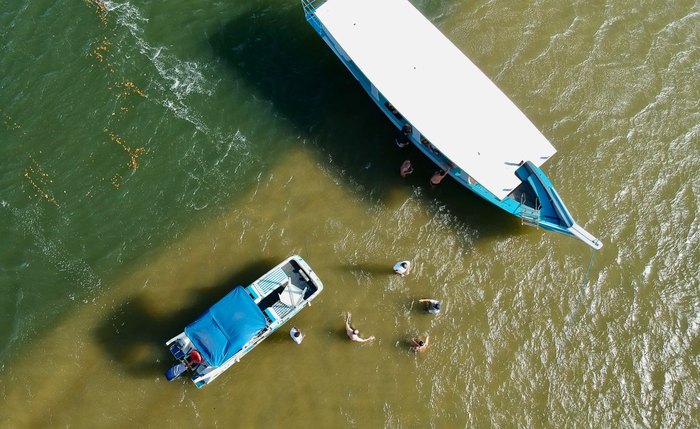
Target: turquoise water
[[156, 154]]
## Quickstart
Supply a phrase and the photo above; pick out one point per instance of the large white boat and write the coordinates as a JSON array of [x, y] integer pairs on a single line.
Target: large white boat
[[241, 320], [455, 115]]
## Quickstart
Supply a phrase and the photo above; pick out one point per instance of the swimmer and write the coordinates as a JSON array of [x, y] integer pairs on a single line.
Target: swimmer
[[353, 333], [418, 345], [296, 335], [438, 176], [432, 306], [402, 268], [406, 168]]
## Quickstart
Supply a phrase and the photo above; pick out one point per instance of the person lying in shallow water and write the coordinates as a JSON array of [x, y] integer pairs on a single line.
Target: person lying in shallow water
[[353, 333]]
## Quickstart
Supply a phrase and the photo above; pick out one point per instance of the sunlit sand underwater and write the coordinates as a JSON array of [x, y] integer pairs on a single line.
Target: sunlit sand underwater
[[155, 158]]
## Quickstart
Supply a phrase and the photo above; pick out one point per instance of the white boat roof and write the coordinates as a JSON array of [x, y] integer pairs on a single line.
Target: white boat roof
[[437, 89]]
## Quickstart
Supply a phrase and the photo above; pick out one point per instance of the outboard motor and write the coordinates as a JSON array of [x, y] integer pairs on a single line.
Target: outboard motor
[[175, 371], [179, 368]]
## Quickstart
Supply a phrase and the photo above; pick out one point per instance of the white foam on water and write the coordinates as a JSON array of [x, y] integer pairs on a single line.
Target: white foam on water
[[179, 79], [239, 137]]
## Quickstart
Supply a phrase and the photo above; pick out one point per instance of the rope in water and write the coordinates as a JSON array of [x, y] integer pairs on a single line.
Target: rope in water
[[588, 270], [578, 300], [584, 283]]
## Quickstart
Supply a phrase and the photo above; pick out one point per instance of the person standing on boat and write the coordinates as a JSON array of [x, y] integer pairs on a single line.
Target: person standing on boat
[[432, 306], [353, 333], [418, 345], [438, 176], [402, 268], [193, 359], [406, 168], [296, 335]]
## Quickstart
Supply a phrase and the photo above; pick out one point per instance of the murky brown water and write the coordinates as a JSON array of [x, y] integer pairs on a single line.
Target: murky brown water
[[244, 164]]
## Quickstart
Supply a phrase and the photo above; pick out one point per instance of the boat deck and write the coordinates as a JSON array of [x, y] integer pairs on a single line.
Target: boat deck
[[297, 277]]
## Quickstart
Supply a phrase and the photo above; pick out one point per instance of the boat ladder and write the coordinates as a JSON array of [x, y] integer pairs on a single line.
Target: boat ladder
[[528, 215]]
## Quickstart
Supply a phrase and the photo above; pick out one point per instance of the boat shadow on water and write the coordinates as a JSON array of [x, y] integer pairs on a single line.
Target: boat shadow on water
[[135, 332], [280, 56]]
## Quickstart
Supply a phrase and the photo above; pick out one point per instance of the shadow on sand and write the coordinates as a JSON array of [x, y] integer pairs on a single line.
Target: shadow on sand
[[134, 335], [277, 53]]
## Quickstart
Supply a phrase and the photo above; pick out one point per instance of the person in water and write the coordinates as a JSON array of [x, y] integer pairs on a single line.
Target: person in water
[[406, 168], [402, 140], [402, 268], [438, 176], [353, 333], [296, 335], [432, 306], [418, 345]]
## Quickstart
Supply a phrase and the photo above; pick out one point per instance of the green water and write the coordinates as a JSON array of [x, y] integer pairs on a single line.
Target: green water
[[155, 154]]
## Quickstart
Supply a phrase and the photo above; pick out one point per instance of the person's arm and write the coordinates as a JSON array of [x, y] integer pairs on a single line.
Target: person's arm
[[427, 339], [364, 340], [348, 328]]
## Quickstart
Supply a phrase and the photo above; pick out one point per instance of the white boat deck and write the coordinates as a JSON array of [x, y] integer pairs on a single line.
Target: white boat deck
[[437, 89]]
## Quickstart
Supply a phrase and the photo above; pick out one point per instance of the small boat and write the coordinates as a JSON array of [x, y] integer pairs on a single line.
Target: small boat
[[241, 320], [450, 110]]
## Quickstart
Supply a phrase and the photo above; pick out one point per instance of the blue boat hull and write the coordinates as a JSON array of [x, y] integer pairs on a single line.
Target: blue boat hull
[[535, 201]]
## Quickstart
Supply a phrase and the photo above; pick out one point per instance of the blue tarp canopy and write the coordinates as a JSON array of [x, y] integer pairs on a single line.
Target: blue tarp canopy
[[226, 327]]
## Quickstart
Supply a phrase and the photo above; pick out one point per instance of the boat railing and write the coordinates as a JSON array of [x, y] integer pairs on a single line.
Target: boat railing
[[310, 8]]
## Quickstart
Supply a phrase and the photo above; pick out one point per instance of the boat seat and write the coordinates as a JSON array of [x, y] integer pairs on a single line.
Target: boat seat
[[271, 314], [254, 293], [177, 351], [272, 281], [281, 309]]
